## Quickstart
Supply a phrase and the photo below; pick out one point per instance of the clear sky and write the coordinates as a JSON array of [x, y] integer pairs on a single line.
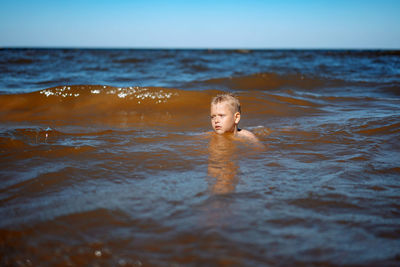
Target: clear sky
[[201, 24]]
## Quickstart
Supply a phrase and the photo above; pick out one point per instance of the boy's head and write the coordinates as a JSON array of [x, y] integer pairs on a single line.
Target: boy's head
[[225, 113]]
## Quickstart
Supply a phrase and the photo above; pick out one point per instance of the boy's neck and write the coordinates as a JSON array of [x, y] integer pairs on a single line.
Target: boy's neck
[[233, 133]]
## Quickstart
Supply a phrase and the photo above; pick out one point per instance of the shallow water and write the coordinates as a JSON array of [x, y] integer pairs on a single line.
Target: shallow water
[[105, 158]]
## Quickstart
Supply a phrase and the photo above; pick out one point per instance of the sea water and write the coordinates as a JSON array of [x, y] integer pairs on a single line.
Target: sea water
[[106, 158]]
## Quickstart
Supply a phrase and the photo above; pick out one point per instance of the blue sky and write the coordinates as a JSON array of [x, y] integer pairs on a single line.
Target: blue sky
[[201, 24]]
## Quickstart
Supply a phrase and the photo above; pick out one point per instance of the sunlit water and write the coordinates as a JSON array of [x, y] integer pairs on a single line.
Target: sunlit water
[[99, 168]]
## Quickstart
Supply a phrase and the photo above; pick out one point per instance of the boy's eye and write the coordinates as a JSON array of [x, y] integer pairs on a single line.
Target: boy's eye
[[219, 116]]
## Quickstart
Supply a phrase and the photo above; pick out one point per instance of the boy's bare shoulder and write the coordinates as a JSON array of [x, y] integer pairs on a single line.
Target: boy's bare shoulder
[[245, 134]]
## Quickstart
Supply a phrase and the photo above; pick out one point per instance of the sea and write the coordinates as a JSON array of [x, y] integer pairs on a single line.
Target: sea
[[107, 158]]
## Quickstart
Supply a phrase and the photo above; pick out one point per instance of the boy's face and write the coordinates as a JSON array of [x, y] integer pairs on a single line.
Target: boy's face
[[223, 119]]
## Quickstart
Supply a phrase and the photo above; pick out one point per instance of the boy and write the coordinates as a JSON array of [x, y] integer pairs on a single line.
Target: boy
[[225, 117], [223, 153]]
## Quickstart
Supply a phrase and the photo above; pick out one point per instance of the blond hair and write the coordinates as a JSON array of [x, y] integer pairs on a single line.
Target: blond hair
[[231, 99]]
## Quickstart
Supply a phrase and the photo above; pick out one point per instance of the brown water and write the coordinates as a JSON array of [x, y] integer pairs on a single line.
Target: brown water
[[95, 175]]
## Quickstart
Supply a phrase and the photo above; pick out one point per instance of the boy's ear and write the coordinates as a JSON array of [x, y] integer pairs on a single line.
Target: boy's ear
[[237, 117]]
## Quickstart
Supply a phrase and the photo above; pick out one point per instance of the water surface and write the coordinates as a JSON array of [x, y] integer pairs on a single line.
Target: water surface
[[105, 158]]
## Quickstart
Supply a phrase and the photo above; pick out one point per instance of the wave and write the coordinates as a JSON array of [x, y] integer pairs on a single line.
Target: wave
[[198, 67], [381, 127], [391, 88], [358, 53], [20, 61], [272, 81], [132, 60], [80, 104]]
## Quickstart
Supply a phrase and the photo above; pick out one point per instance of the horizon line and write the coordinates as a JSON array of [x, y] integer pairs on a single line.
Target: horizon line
[[242, 49]]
